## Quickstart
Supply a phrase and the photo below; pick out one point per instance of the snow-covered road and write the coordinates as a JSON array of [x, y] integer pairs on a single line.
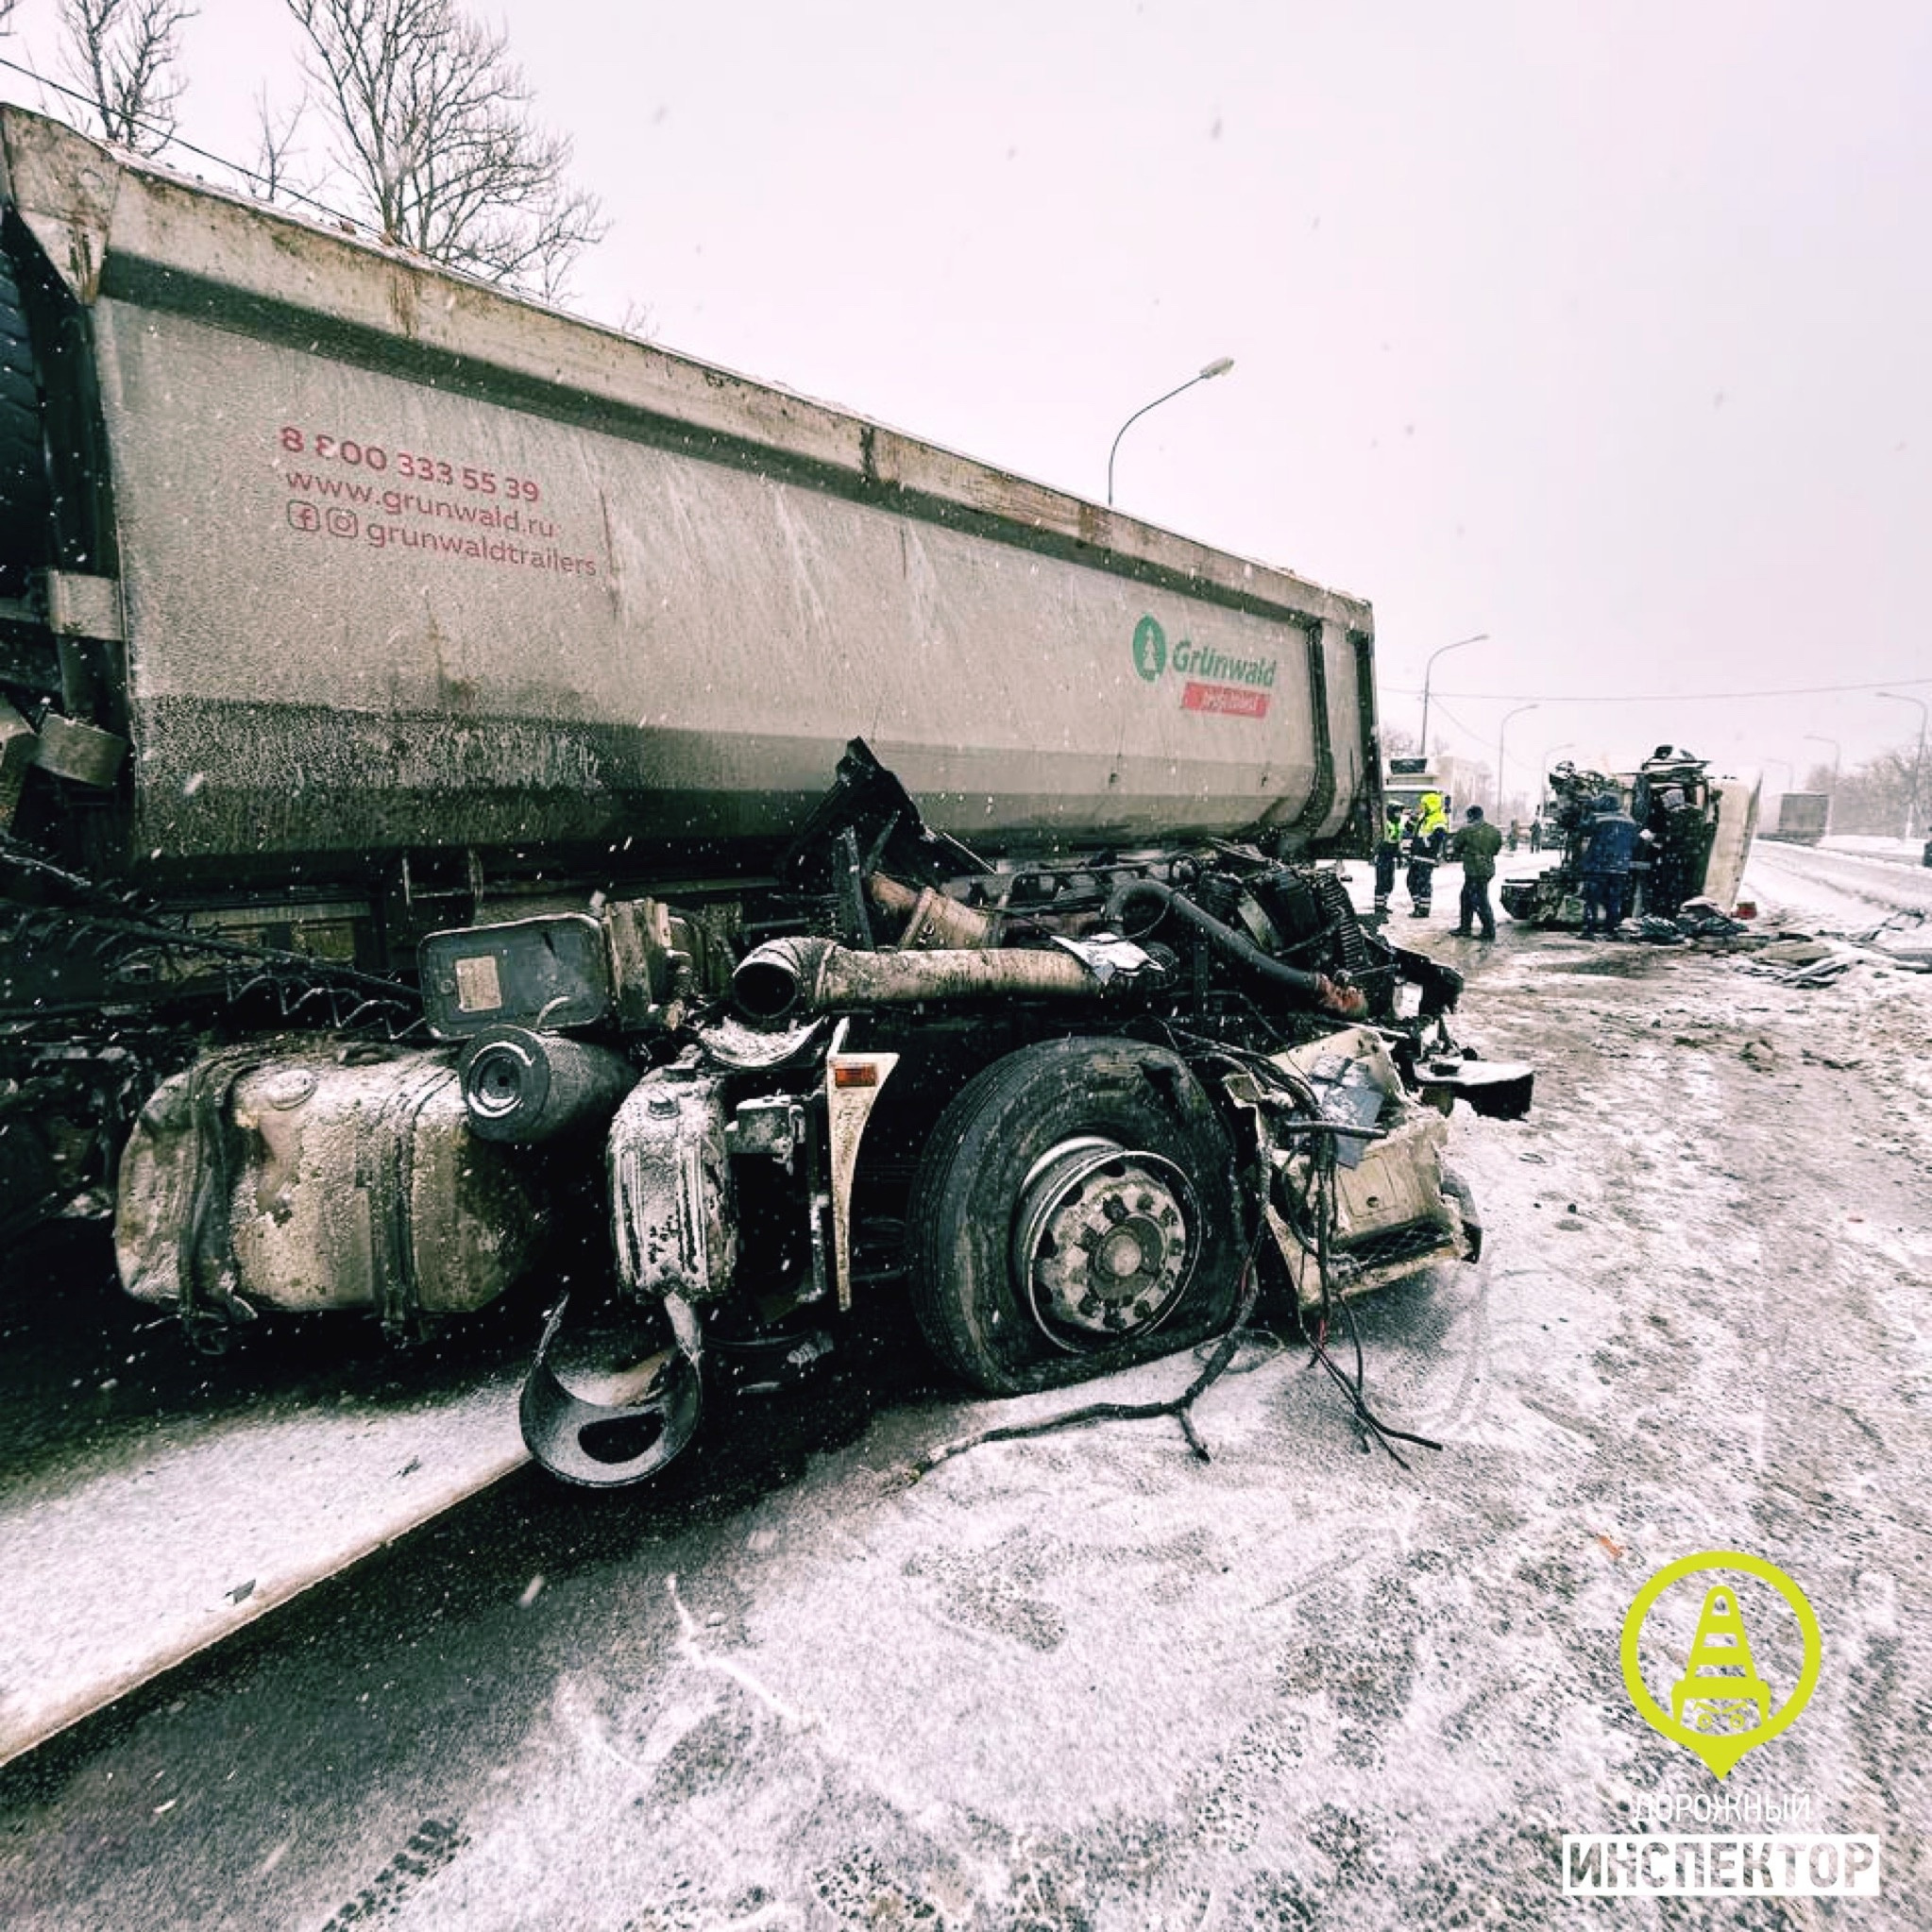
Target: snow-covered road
[[1090, 1683], [1849, 884]]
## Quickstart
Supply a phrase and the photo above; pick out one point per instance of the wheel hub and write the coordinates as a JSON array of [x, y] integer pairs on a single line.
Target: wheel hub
[[1104, 1243]]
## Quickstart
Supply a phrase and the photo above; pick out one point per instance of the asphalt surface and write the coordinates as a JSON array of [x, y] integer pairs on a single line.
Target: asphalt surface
[[1088, 1680]]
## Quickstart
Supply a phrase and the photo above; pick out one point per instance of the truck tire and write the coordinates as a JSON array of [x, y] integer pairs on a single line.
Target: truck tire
[[22, 460], [1075, 1211]]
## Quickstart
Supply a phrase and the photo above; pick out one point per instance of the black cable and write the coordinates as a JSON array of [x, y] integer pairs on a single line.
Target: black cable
[[118, 924], [1382, 1432], [1177, 1406]]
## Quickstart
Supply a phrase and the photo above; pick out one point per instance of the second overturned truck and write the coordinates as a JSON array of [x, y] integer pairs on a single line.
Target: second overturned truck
[[1694, 831], [469, 776]]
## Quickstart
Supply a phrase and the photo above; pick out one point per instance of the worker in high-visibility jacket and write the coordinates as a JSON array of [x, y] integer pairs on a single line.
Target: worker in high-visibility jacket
[[1388, 854], [1426, 846]]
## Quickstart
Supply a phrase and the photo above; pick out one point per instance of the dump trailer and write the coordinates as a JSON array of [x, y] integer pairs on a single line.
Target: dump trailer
[[1694, 836], [472, 777]]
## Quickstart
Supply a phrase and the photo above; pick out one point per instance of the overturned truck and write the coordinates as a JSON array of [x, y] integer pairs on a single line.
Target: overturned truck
[[1694, 832], [468, 774]]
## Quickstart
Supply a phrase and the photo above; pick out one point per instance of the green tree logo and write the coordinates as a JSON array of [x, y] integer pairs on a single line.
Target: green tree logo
[[1719, 1707], [1150, 648]]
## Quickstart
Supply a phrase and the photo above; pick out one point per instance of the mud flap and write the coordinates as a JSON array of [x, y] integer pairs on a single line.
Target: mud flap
[[605, 1446], [1463, 1196]]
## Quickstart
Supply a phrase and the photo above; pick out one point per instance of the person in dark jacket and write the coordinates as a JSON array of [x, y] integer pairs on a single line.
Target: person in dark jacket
[[1608, 847], [1475, 844], [1388, 853], [1678, 832]]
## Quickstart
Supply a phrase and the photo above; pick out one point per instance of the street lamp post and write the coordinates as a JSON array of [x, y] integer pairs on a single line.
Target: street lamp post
[[1500, 729], [1481, 638], [1831, 804], [1219, 366], [1918, 761]]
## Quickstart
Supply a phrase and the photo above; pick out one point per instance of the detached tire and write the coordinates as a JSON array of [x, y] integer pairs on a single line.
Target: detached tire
[[1075, 1211]]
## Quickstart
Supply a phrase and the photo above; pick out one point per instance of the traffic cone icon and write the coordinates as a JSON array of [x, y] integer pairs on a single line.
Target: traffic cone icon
[[1720, 1691]]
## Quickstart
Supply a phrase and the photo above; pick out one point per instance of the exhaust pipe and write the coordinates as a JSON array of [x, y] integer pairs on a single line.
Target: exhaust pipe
[[806, 975]]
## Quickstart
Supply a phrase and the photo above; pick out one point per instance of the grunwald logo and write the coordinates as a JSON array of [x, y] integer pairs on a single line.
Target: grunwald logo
[[1150, 648], [1154, 658]]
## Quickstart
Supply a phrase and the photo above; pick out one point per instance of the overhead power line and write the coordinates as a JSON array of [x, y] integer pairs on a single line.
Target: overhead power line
[[172, 139], [1465, 730]]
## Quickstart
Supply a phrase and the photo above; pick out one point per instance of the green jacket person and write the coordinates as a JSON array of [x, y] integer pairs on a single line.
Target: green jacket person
[[1476, 845]]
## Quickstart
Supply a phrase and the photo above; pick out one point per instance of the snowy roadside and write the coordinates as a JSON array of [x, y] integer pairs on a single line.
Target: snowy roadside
[[1089, 1682]]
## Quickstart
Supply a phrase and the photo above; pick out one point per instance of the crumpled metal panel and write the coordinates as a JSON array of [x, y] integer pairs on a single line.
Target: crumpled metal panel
[[1393, 1213]]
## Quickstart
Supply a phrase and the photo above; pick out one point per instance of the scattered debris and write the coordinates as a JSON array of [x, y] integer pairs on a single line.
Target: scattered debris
[[1821, 974], [1798, 952]]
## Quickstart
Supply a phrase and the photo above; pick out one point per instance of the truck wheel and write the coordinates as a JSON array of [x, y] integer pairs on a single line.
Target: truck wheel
[[23, 464], [1076, 1211]]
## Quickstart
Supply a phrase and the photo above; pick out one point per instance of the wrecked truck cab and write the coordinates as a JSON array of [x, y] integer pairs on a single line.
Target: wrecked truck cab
[[1695, 833], [1083, 1134]]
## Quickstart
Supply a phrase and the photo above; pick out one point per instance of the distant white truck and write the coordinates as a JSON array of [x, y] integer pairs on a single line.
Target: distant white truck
[[1409, 779], [1804, 818]]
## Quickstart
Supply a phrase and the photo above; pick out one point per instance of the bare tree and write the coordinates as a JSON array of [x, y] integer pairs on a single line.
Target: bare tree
[[1875, 796], [434, 127], [639, 319], [275, 144], [123, 53]]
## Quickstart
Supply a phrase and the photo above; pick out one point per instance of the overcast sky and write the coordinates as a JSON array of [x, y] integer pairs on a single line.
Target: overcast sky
[[1604, 330]]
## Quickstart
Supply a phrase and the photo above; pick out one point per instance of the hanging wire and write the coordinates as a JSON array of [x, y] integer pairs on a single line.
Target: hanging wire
[[170, 139]]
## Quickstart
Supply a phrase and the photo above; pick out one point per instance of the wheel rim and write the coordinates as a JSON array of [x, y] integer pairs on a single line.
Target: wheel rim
[[1105, 1242]]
